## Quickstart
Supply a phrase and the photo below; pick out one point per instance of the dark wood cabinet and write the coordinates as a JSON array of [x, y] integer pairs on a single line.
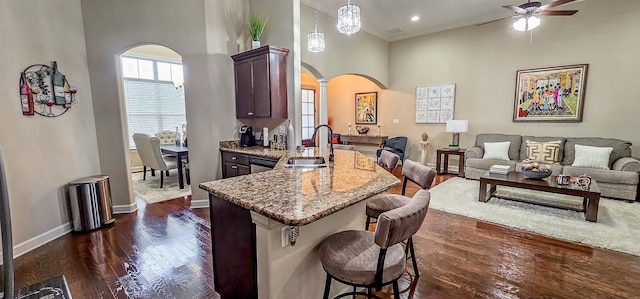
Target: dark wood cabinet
[[261, 83], [234, 164]]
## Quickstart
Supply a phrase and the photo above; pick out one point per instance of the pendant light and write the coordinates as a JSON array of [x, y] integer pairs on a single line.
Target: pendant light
[[349, 18], [315, 39]]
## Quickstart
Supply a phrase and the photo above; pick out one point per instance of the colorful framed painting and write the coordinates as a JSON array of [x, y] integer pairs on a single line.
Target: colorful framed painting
[[552, 94], [367, 108]]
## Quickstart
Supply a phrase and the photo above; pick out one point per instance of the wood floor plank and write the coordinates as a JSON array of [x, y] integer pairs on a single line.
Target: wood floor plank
[[164, 251]]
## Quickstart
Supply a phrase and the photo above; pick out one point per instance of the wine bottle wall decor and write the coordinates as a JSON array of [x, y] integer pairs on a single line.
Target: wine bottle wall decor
[[45, 91]]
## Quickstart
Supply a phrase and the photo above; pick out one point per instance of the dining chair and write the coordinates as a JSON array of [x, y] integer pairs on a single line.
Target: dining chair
[[372, 260], [167, 137], [378, 204], [149, 150], [396, 145]]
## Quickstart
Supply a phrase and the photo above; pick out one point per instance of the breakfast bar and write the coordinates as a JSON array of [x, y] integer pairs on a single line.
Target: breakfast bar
[[253, 218]]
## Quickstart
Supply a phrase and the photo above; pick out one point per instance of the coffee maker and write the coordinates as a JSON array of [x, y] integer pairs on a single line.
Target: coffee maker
[[246, 136]]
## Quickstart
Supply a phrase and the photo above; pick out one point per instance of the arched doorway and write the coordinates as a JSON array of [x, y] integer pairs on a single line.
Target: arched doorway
[[152, 80]]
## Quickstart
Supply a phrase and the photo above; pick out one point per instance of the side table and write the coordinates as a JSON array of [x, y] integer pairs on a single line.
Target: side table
[[445, 152]]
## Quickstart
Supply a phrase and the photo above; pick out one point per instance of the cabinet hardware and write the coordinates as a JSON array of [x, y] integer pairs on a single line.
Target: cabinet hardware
[[250, 113], [233, 158], [234, 167]]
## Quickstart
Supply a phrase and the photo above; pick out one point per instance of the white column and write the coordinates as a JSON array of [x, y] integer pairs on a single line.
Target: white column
[[323, 117]]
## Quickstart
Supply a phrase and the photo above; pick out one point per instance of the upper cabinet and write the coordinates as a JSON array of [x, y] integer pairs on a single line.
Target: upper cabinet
[[261, 83]]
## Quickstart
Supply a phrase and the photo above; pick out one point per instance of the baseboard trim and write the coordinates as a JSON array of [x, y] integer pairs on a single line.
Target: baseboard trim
[[39, 240], [125, 209], [199, 203]]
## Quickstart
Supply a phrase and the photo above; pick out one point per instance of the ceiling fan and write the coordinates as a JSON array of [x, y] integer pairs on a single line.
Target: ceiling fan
[[528, 13]]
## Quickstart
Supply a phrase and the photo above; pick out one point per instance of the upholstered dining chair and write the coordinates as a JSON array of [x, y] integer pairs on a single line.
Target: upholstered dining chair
[[167, 137], [378, 204], [149, 150], [388, 160], [372, 260]]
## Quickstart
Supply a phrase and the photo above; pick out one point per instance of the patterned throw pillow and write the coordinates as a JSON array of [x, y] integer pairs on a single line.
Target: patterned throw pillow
[[592, 156], [546, 152]]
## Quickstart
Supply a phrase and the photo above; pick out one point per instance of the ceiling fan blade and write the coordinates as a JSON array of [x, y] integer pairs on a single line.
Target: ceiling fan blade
[[557, 13], [496, 20], [554, 4], [517, 9]]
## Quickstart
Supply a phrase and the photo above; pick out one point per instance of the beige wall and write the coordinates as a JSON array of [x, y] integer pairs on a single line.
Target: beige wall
[[482, 62], [196, 32], [43, 154]]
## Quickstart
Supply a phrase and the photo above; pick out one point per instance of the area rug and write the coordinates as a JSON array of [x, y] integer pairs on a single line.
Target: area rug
[[617, 227], [150, 190]]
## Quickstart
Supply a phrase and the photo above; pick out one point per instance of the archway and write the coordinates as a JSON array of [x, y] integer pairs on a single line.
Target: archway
[[153, 101]]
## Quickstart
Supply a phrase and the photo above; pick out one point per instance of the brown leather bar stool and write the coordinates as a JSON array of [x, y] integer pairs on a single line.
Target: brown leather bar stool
[[372, 260], [378, 204], [388, 160]]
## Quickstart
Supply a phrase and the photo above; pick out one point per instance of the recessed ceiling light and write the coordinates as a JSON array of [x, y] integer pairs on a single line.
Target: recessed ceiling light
[[415, 18]]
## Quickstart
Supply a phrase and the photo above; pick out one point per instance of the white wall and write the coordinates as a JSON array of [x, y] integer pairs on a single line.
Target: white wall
[[192, 28], [43, 154]]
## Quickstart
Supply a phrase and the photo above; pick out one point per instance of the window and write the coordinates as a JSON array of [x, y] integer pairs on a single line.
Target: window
[[153, 102], [308, 113]]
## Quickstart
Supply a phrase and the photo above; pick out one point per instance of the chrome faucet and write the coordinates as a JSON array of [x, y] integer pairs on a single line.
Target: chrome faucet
[[313, 137]]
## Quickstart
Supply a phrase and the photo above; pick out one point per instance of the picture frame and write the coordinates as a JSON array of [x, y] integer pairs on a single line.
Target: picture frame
[[367, 108], [551, 94]]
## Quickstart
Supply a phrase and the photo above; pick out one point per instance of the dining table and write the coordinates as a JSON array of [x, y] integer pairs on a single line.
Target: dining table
[[180, 151]]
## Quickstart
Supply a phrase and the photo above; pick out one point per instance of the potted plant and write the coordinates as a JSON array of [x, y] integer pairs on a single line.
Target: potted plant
[[257, 24]]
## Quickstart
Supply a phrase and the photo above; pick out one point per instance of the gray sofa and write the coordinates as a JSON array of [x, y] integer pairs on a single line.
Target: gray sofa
[[621, 181]]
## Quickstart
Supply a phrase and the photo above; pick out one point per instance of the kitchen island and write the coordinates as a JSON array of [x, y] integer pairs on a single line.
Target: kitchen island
[[249, 213]]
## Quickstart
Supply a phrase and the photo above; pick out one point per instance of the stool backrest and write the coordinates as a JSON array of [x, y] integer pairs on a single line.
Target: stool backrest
[[417, 173], [389, 160], [402, 223]]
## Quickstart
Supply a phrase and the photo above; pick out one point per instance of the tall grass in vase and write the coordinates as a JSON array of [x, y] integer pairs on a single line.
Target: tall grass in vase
[[257, 23]]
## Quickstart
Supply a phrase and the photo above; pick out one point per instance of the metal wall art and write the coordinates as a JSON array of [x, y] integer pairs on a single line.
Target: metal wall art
[[435, 103], [45, 91]]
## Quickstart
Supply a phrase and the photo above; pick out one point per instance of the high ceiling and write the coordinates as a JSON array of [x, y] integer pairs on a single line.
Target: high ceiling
[[390, 20]]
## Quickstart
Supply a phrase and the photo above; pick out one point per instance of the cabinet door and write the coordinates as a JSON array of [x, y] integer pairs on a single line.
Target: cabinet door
[[243, 170], [229, 170], [261, 86], [244, 89]]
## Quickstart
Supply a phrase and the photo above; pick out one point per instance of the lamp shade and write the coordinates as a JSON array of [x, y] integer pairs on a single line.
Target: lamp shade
[[457, 126]]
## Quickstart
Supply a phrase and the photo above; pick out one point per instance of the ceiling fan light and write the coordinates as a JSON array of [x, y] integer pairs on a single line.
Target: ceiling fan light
[[520, 24], [533, 22]]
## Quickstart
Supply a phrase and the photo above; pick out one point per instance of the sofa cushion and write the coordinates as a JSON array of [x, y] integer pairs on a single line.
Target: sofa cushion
[[602, 175], [523, 147], [496, 150], [546, 152], [514, 147], [592, 156], [621, 148], [486, 163]]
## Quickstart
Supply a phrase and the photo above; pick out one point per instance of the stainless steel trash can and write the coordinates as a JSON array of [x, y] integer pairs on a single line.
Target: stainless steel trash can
[[90, 201]]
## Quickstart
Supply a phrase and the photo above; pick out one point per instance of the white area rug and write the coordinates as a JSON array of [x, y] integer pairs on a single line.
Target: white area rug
[[150, 190], [618, 226]]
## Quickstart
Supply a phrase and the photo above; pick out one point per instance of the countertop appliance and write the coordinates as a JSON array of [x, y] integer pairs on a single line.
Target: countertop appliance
[[260, 164], [246, 136]]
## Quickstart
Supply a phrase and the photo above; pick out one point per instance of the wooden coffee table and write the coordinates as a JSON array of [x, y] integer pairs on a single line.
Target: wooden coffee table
[[590, 197]]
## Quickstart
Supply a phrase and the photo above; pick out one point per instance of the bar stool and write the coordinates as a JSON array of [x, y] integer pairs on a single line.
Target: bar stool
[[378, 204], [388, 160], [372, 260]]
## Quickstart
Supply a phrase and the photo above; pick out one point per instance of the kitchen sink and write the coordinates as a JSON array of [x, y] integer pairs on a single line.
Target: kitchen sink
[[306, 162]]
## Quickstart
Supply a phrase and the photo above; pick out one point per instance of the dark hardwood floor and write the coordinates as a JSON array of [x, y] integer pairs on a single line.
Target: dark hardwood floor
[[163, 251]]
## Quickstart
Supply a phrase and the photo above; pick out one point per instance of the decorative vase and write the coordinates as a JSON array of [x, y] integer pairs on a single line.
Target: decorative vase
[[255, 44]]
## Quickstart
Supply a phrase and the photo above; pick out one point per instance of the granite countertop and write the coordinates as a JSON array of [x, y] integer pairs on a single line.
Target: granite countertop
[[303, 195]]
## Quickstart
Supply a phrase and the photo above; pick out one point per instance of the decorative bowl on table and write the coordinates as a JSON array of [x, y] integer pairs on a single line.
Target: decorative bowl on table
[[362, 129], [536, 173]]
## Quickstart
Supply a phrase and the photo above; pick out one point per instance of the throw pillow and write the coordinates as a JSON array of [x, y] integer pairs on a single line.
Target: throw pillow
[[496, 150], [592, 156], [546, 152]]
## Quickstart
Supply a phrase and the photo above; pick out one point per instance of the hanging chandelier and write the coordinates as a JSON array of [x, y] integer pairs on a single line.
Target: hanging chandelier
[[349, 18], [315, 39]]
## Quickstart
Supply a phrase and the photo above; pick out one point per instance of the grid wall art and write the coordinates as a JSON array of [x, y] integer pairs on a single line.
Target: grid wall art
[[434, 103]]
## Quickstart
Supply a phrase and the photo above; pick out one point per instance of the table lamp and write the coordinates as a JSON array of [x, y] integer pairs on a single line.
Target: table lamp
[[456, 127]]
